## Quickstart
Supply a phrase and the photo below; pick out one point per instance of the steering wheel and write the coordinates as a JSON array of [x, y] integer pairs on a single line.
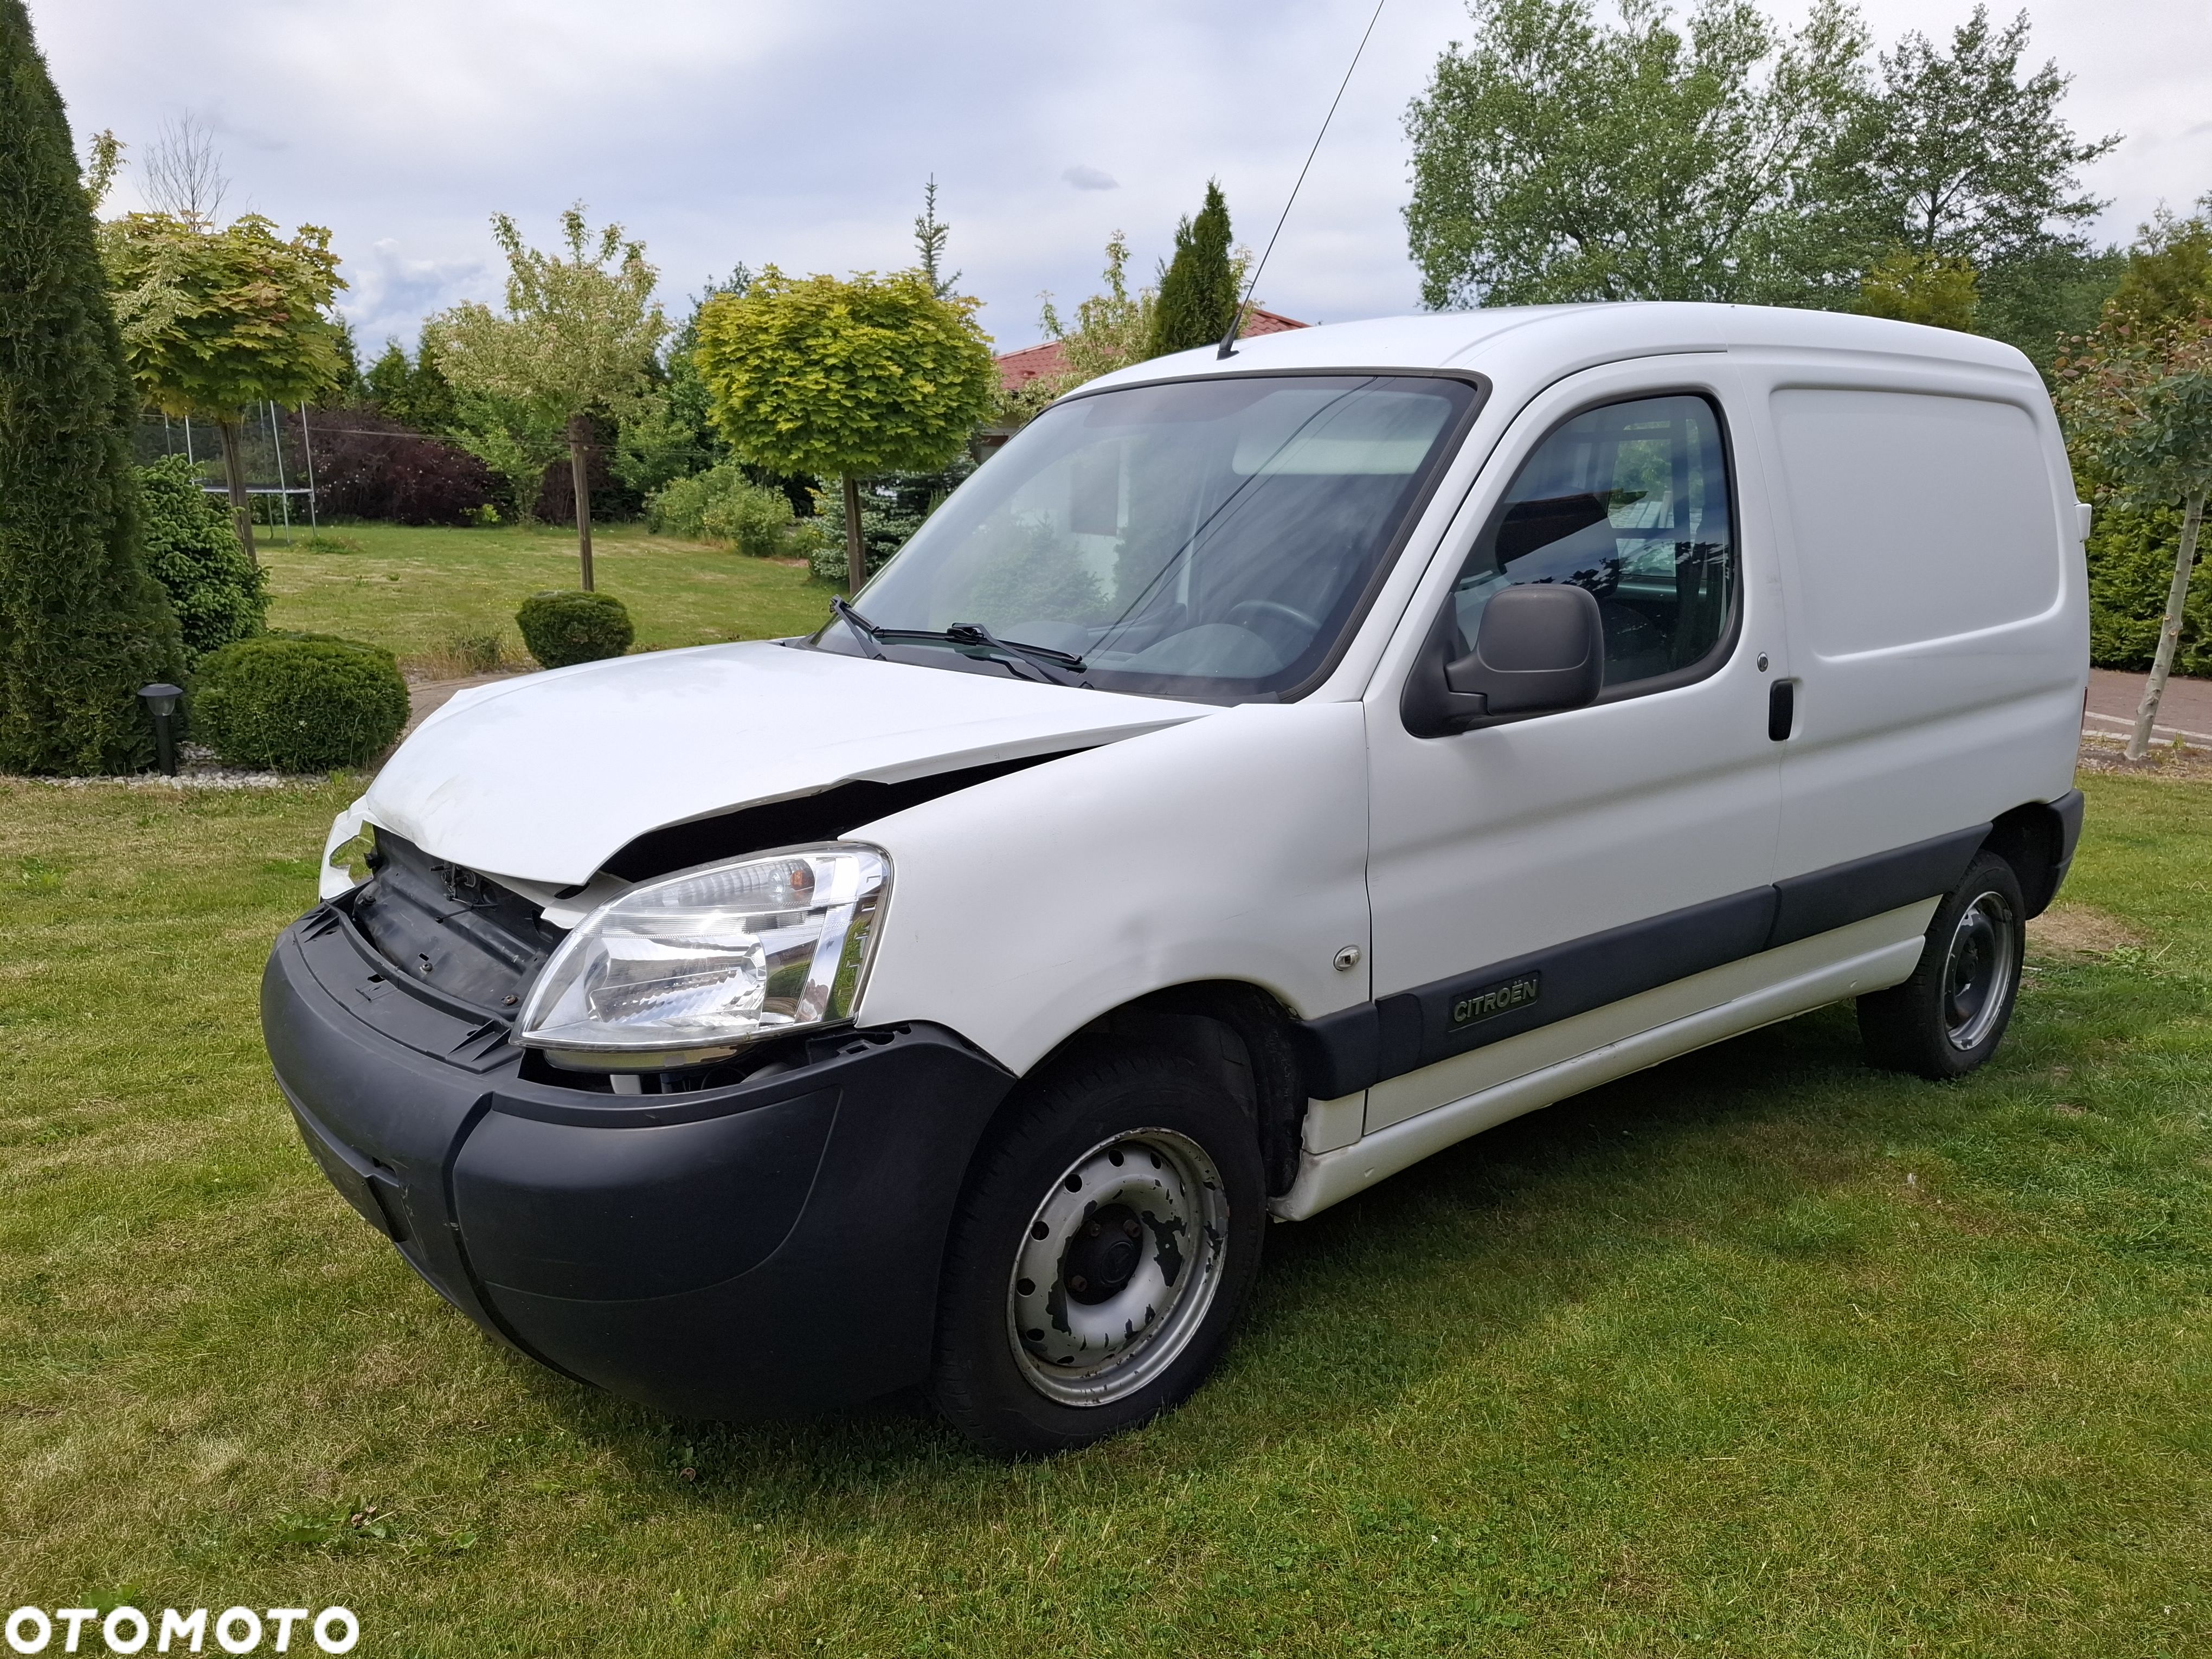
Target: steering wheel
[[1275, 608]]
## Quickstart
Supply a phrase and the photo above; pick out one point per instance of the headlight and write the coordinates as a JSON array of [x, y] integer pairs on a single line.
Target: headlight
[[693, 967]]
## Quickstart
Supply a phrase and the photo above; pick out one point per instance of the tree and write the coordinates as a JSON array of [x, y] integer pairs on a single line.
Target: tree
[[415, 393], [930, 235], [1961, 156], [214, 320], [671, 434], [1113, 328], [579, 335], [1922, 288], [1198, 287], [2140, 406], [1556, 158], [184, 175], [2167, 281], [518, 439], [873, 374], [83, 625], [1958, 155]]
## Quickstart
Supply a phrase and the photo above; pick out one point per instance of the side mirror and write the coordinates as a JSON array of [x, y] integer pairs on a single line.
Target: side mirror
[[1540, 650]]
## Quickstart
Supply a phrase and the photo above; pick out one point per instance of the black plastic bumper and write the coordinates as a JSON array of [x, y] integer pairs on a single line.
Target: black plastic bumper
[[758, 1249]]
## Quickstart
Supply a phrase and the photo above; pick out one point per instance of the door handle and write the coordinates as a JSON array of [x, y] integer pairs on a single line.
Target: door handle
[[1781, 709]]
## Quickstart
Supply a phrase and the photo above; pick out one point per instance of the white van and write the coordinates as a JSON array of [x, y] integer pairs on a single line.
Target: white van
[[1262, 774]]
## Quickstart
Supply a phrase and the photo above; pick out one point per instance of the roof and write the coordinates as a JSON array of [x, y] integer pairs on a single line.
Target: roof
[[1017, 369], [1540, 343]]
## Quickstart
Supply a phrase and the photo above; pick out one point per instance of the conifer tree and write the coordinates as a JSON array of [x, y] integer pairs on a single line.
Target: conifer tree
[[1198, 287], [83, 625]]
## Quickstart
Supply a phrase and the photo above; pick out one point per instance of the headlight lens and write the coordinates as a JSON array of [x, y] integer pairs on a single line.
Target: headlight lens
[[692, 967]]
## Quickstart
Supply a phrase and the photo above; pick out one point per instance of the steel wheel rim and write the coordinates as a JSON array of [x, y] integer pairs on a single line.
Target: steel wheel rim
[[1112, 1336], [1977, 971]]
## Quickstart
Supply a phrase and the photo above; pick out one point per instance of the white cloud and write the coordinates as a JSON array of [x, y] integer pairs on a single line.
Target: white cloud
[[1085, 178]]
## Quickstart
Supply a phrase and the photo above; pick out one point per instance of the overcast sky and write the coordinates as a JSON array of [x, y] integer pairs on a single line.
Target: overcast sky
[[721, 131]]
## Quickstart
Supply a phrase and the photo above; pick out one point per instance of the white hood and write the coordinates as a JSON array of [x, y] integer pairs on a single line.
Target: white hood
[[545, 777]]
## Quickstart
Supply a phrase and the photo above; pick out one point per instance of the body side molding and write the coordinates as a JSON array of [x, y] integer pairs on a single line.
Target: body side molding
[[1360, 1047]]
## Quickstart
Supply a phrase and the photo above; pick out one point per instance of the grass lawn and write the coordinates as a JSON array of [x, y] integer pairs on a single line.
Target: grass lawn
[[1760, 1353], [417, 591]]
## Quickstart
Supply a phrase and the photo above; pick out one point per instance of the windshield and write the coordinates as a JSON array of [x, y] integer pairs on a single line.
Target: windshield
[[1210, 539]]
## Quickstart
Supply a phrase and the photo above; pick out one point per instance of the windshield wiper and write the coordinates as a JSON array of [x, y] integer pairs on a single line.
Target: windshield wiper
[[1048, 666], [863, 629]]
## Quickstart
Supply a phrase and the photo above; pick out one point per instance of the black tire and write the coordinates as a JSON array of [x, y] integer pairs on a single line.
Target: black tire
[[1950, 1016], [1147, 1127]]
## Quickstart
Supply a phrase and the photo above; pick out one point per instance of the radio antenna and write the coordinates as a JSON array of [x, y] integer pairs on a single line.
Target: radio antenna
[[1237, 317]]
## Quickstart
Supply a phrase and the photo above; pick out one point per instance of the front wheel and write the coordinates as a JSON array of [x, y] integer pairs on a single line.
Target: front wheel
[[1950, 1016], [1105, 1247]]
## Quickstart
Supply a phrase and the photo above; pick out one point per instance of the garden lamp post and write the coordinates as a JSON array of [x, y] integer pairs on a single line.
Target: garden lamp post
[[160, 700]]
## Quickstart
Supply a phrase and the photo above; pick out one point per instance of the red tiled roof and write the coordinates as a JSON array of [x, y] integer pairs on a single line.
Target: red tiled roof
[[1017, 369]]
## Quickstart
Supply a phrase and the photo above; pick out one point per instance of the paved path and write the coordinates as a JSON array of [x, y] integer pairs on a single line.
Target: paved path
[[2184, 712]]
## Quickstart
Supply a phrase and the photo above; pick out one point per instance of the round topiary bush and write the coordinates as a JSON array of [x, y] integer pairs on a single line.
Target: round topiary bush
[[571, 627], [298, 704]]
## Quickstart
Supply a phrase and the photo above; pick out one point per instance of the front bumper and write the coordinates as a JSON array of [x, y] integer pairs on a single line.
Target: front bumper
[[765, 1248]]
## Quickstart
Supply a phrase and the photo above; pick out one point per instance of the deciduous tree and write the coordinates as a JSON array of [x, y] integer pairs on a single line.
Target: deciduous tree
[[1113, 328], [1922, 288], [846, 378], [214, 320], [83, 625], [1960, 155], [1557, 157], [579, 334]]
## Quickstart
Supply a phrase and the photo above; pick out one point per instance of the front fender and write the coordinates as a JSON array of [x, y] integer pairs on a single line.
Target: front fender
[[1232, 847]]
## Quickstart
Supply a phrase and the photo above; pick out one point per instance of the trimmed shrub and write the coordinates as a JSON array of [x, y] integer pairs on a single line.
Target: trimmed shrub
[[569, 626], [192, 548], [369, 466], [302, 702], [722, 505]]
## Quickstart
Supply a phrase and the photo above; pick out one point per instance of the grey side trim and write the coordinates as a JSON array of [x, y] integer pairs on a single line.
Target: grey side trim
[[1358, 1048]]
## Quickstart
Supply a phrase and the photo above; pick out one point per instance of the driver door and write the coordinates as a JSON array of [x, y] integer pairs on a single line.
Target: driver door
[[1527, 876]]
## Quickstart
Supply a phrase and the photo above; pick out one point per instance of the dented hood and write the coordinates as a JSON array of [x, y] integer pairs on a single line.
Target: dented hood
[[546, 776]]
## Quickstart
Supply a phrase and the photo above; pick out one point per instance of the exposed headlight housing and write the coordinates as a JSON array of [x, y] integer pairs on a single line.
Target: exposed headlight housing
[[693, 967]]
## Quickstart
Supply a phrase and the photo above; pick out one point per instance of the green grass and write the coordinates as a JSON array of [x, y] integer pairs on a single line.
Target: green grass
[[416, 590], [1760, 1353]]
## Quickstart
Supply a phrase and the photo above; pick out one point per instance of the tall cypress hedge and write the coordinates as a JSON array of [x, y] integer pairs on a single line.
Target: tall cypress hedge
[[83, 625]]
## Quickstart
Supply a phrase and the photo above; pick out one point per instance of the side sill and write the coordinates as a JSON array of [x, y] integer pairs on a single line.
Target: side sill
[[1327, 1178]]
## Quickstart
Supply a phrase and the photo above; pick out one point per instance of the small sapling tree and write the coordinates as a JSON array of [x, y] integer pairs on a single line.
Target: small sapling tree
[[579, 335], [2142, 408], [846, 378]]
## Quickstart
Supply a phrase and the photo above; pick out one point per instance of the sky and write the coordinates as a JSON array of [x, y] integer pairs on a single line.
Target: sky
[[721, 131]]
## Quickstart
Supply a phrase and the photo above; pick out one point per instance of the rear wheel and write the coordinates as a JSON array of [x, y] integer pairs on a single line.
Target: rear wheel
[[1105, 1247], [1950, 1016]]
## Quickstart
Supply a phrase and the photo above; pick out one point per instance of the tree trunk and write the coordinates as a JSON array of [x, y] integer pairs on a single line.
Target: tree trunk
[[856, 551], [580, 449], [2169, 636], [234, 474]]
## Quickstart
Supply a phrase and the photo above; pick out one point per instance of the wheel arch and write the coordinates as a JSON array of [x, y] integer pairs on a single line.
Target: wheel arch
[[1237, 1032], [2036, 838]]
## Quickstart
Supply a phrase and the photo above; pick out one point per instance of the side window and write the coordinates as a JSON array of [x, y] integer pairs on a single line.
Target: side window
[[1632, 502]]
